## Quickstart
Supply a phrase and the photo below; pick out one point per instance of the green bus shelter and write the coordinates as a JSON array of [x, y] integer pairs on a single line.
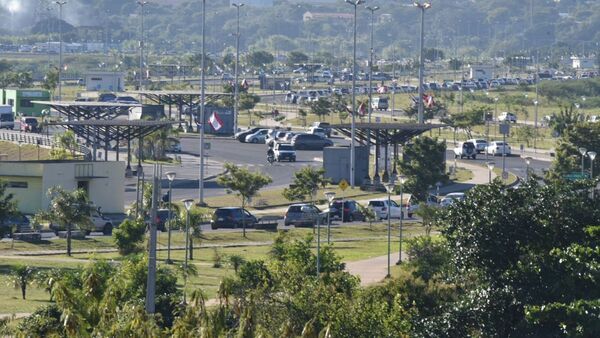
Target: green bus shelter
[[21, 100]]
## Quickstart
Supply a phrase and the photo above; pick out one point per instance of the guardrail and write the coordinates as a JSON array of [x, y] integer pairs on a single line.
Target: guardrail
[[36, 139]]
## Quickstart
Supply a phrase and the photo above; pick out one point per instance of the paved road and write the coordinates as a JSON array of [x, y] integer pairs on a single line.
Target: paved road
[[514, 164]]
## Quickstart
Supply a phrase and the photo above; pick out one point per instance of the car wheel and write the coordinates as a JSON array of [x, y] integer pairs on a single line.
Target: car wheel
[[254, 140], [350, 218], [107, 230], [474, 157]]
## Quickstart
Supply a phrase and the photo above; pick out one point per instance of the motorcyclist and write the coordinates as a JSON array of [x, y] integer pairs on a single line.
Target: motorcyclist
[[270, 153]]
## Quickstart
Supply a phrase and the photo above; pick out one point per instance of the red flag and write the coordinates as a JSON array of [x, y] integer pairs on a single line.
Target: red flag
[[245, 84], [428, 100], [215, 121], [362, 109], [382, 89]]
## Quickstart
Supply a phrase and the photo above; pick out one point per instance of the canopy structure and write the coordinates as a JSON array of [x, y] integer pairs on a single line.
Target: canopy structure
[[85, 110], [384, 135], [110, 133], [190, 99]]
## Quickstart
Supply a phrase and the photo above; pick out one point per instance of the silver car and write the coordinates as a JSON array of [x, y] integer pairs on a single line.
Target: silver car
[[303, 215]]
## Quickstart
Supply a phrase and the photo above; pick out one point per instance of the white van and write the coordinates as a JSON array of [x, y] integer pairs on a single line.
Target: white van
[[7, 118], [380, 103]]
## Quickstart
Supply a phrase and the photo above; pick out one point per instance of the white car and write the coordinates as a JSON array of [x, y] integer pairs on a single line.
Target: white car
[[498, 148], [382, 208], [452, 197], [318, 131], [257, 137], [480, 144], [507, 117], [284, 152]]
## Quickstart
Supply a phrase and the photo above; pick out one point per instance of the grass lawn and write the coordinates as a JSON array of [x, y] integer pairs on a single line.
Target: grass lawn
[[367, 242], [28, 152], [462, 175]]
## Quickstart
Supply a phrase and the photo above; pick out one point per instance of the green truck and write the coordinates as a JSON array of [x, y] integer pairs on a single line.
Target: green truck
[[20, 100]]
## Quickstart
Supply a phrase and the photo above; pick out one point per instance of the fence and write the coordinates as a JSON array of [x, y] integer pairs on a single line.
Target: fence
[[36, 139]]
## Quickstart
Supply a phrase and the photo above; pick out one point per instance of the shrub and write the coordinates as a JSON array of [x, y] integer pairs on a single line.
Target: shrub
[[129, 235]]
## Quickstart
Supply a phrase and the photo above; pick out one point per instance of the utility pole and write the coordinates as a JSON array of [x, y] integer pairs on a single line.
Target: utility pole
[[202, 98], [237, 61], [372, 10], [60, 49], [141, 79], [151, 279], [421, 107]]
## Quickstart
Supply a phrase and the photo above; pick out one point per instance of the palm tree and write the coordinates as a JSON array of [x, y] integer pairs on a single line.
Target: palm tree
[[67, 208], [21, 276], [565, 119]]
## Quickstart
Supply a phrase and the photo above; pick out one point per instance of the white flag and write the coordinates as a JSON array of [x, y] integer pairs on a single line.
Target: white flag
[[215, 122]]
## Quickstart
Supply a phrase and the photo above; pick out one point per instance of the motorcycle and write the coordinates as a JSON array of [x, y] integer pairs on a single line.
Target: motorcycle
[[270, 159]]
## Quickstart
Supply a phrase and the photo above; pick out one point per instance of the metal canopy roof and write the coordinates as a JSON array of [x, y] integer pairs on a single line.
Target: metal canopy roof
[[180, 97], [386, 133], [75, 110], [106, 131]]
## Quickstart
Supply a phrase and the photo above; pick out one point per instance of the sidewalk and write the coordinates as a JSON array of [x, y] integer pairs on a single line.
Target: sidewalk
[[372, 270]]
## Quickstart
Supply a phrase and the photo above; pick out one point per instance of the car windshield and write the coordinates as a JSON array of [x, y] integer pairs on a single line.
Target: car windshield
[[286, 147], [499, 143], [295, 208], [30, 121]]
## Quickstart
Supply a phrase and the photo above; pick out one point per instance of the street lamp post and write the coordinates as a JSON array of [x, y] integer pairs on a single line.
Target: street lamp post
[[490, 166], [592, 155], [422, 6], [354, 3], [528, 163], [141, 79], [188, 205], [60, 47], [535, 123], [389, 187], [171, 177], [237, 61], [330, 196], [372, 10], [583, 152], [495, 118], [201, 125], [402, 180]]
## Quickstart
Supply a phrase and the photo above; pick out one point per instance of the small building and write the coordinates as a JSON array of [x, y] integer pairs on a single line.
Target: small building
[[580, 62], [21, 100], [312, 16], [29, 182], [336, 162], [481, 72], [109, 81]]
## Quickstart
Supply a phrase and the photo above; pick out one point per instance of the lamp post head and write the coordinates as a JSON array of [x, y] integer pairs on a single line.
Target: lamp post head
[[330, 196], [495, 99], [389, 187], [402, 179], [491, 165], [582, 151], [372, 8], [528, 160], [592, 155], [171, 175], [187, 203]]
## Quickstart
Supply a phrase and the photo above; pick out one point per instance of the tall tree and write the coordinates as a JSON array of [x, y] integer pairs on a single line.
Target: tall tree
[[68, 209], [21, 276], [259, 58], [244, 183], [307, 181], [423, 164]]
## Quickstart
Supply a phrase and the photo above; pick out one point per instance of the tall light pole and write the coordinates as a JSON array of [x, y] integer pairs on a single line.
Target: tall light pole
[[422, 6], [372, 10], [141, 79], [237, 61], [389, 187], [354, 3], [187, 203], [402, 180], [330, 196], [201, 125], [490, 166], [583, 152], [592, 155], [60, 47], [171, 177]]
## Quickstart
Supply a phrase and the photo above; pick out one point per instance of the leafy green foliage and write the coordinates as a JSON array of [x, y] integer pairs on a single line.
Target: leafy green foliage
[[468, 119], [296, 57], [7, 206], [565, 120], [66, 145], [321, 107], [129, 235], [423, 165], [259, 58], [568, 157], [305, 184], [21, 276]]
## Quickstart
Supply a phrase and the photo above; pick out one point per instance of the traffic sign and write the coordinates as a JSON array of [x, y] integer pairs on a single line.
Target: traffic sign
[[343, 184], [576, 175]]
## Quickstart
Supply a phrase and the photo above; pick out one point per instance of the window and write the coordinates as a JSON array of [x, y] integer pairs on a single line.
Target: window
[[11, 102], [18, 185], [96, 79], [26, 103]]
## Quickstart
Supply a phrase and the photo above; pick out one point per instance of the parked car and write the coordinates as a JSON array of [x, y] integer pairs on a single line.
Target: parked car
[[465, 149], [380, 103], [284, 152], [22, 222], [272, 138], [257, 137], [382, 209], [303, 215], [232, 217], [507, 117], [241, 136], [309, 141], [126, 100], [351, 211], [479, 144], [317, 131], [452, 197], [325, 126], [29, 124], [288, 137], [100, 223], [413, 203], [498, 148]]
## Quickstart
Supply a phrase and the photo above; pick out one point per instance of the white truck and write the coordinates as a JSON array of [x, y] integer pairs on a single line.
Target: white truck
[[465, 149]]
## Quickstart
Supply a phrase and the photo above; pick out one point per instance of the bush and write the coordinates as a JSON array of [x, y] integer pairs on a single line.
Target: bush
[[129, 235], [44, 322]]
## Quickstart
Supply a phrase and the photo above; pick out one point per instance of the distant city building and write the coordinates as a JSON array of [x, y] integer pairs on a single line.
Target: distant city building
[[313, 16], [104, 81], [579, 62]]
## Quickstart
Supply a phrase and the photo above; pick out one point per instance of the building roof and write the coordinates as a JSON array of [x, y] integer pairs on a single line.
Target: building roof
[[87, 104], [385, 133]]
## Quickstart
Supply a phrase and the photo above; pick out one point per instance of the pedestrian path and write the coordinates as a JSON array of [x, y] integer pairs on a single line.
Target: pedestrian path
[[372, 270]]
